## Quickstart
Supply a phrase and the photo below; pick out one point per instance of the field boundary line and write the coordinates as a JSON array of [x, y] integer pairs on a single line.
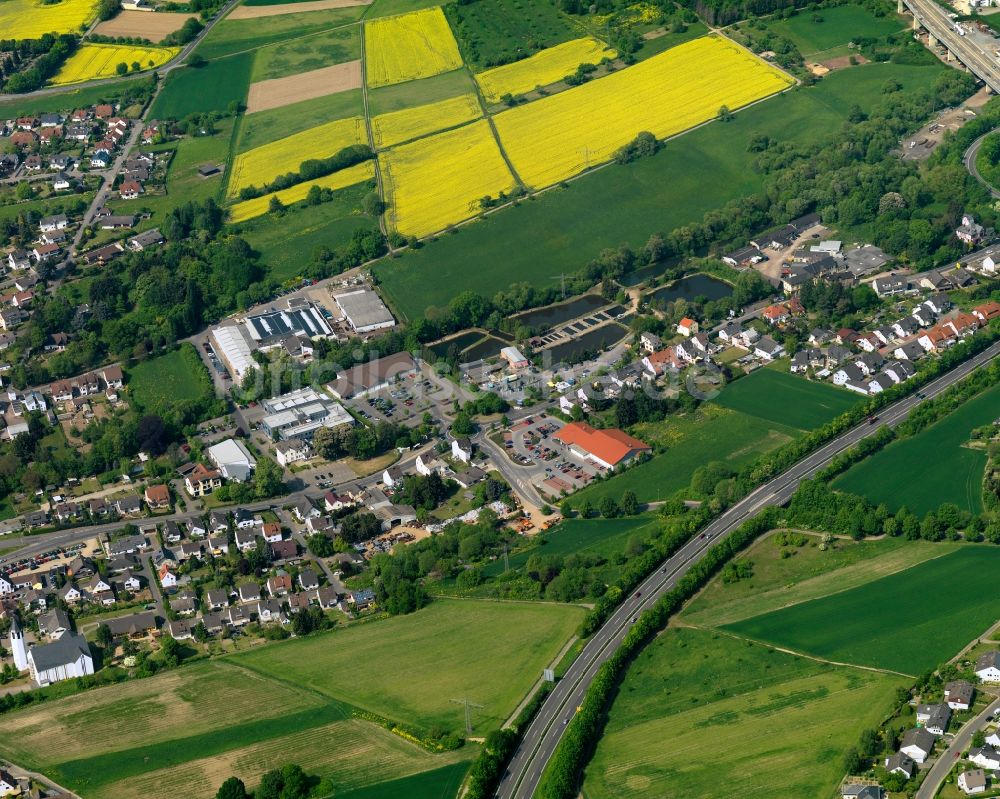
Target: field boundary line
[[382, 222], [832, 593], [797, 653], [493, 128]]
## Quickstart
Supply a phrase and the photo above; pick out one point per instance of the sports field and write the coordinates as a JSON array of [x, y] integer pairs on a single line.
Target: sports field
[[802, 403], [163, 381], [438, 181], [447, 650], [30, 19], [92, 61], [701, 715], [359, 173], [569, 226], [558, 136], [910, 621], [410, 46], [543, 68], [261, 165], [411, 123], [932, 467]]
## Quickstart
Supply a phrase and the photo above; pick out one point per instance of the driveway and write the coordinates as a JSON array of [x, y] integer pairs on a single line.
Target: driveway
[[959, 743]]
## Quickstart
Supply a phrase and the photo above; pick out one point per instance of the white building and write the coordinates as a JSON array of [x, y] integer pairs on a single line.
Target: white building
[[17, 646], [64, 659], [233, 459], [364, 310], [988, 667], [234, 350], [291, 451], [299, 414]]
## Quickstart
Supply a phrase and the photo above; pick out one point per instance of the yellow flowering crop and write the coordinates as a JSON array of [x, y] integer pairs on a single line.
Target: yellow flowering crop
[[29, 19], [558, 136], [261, 165], [338, 180], [400, 126], [543, 68], [92, 61], [437, 181], [409, 46]]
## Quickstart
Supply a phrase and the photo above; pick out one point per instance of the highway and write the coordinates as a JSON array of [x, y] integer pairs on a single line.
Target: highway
[[970, 163], [937, 22], [544, 734]]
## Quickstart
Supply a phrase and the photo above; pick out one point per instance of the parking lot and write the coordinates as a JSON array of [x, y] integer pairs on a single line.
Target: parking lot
[[531, 443]]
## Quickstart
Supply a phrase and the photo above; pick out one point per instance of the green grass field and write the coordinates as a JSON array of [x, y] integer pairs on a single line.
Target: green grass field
[[387, 8], [710, 434], [307, 53], [13, 106], [184, 184], [909, 621], [839, 26], [899, 475], [276, 123], [441, 783], [800, 403], [160, 382], [419, 92], [212, 87], [700, 715], [287, 242], [567, 227], [448, 650], [242, 35], [494, 32], [809, 572], [581, 536]]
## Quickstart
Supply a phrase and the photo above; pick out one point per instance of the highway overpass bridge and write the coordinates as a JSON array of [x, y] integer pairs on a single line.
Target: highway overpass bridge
[[969, 48]]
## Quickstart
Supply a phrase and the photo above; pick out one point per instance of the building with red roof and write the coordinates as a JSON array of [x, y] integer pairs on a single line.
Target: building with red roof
[[607, 448]]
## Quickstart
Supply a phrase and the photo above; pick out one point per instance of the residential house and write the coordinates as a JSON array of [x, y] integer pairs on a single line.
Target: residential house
[[244, 519], [218, 521], [970, 232], [959, 694], [308, 580], [461, 449], [54, 623], [157, 496], [167, 578], [862, 792], [730, 330], [656, 363], [218, 545], [650, 342], [900, 763], [129, 505], [249, 592], [284, 550], [201, 481], [972, 782], [279, 585], [939, 303], [304, 509], [768, 349], [687, 326], [988, 667], [891, 285], [985, 757], [918, 744], [271, 532], [292, 450], [911, 351], [246, 539]]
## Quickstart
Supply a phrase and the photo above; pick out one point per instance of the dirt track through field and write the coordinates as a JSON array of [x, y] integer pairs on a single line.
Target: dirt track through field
[[278, 92], [256, 12], [144, 24]]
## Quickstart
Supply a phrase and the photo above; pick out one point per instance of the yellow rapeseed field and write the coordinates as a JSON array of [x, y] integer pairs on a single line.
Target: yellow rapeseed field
[[93, 61], [409, 46], [400, 126], [543, 68], [261, 165], [338, 180], [29, 19], [438, 181], [558, 136]]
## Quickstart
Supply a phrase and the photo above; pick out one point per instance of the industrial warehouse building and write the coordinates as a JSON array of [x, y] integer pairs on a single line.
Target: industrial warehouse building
[[364, 310], [301, 413]]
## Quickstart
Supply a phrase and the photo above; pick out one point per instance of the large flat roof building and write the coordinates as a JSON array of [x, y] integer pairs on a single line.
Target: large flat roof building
[[364, 310], [371, 376], [301, 413], [300, 318], [233, 459], [234, 350]]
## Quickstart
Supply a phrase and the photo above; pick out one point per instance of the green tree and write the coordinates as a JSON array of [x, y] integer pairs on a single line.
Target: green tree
[[609, 508], [122, 68], [233, 788], [629, 504], [104, 636]]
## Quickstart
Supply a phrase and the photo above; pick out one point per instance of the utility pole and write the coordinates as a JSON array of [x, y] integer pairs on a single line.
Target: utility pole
[[562, 282], [468, 712], [506, 561]]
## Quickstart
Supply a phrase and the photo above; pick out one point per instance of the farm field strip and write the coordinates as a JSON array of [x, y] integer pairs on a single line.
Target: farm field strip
[[143, 24], [411, 123], [556, 137], [734, 714], [92, 61], [438, 181], [263, 164], [543, 68], [28, 19], [897, 474], [248, 209], [352, 753], [409, 46], [279, 92], [280, 9], [907, 622]]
